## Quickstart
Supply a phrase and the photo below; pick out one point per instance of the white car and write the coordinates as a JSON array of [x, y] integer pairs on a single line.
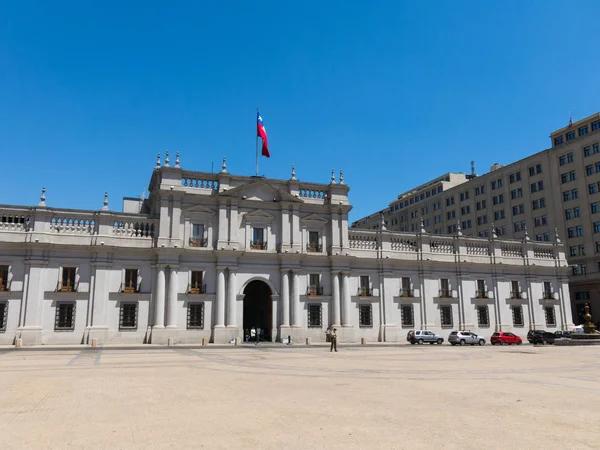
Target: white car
[[465, 337]]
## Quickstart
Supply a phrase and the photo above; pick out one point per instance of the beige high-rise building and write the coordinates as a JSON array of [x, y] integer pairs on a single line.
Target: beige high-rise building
[[555, 192]]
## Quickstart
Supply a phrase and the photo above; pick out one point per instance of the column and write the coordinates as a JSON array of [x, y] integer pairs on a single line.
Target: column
[[172, 309], [346, 322], [285, 298], [220, 315], [159, 312], [335, 298], [231, 298], [233, 225], [296, 300]]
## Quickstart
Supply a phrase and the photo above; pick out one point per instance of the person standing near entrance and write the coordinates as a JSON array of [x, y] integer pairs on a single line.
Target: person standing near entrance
[[333, 337]]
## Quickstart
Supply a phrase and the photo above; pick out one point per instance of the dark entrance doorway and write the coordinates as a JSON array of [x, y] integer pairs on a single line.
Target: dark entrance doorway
[[258, 309]]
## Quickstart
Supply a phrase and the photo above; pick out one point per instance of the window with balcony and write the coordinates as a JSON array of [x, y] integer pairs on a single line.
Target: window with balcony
[[314, 315], [445, 288], [65, 316], [446, 316], [198, 235], [67, 282], [483, 316], [313, 242], [517, 315], [3, 315], [364, 288], [131, 281], [550, 316], [406, 290], [408, 317], [365, 316], [258, 239], [314, 284], [481, 291], [195, 316], [196, 282], [128, 313], [3, 278]]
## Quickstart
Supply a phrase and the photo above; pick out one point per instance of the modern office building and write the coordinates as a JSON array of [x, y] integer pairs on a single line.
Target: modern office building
[[214, 255], [557, 188]]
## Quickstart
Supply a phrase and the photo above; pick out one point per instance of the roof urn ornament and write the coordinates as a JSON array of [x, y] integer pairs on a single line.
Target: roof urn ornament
[[158, 161], [43, 197], [105, 202]]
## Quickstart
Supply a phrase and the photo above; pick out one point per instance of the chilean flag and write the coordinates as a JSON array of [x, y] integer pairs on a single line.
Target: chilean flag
[[262, 133]]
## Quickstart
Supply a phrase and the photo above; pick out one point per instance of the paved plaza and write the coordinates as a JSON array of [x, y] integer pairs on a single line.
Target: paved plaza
[[397, 397]]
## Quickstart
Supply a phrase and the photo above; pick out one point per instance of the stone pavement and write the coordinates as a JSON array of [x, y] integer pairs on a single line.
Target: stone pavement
[[400, 397]]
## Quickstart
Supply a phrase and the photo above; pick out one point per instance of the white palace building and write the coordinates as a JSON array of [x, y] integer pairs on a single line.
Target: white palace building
[[212, 255]]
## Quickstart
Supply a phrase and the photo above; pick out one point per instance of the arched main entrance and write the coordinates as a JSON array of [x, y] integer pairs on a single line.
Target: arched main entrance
[[258, 308]]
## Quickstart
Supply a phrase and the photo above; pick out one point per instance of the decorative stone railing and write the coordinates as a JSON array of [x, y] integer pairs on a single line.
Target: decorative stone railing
[[512, 250], [206, 181], [72, 225], [310, 191], [478, 249], [441, 247], [403, 244], [131, 228], [543, 253], [12, 221], [364, 241]]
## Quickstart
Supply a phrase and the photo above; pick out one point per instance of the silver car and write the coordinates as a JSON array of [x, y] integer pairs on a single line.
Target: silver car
[[465, 337], [421, 336]]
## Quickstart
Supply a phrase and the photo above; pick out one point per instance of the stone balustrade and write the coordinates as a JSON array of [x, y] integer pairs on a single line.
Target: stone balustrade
[[133, 228], [198, 180], [312, 191], [67, 224], [14, 220]]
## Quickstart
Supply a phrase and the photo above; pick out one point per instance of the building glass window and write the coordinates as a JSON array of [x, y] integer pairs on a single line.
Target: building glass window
[[258, 239], [558, 140], [596, 125], [195, 316], [586, 151], [407, 312], [481, 292], [3, 278], [515, 291], [365, 316], [365, 286], [68, 279], [314, 315], [196, 286], [445, 288], [550, 316], [483, 316], [446, 316], [65, 316], [517, 314], [314, 287], [583, 130], [313, 241], [128, 316], [197, 239], [131, 280], [570, 136]]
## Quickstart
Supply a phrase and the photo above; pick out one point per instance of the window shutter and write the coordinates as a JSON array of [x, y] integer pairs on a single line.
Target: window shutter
[[60, 277], [139, 281], [9, 279], [76, 285], [189, 283], [123, 280]]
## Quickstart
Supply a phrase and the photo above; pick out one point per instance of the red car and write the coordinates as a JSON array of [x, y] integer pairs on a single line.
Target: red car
[[505, 338]]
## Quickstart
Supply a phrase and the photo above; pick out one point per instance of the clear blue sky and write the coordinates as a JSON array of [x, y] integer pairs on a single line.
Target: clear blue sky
[[394, 93]]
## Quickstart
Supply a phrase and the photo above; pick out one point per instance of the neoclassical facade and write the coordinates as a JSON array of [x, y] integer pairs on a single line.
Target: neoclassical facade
[[213, 255]]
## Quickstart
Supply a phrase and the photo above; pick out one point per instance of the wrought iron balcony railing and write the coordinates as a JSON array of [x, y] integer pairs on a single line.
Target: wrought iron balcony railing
[[406, 293], [314, 290], [258, 245]]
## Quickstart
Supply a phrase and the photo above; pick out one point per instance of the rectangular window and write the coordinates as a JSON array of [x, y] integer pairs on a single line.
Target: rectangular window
[[499, 183], [579, 230], [65, 316], [583, 130], [558, 140], [314, 288], [258, 239], [538, 168], [483, 316], [313, 242], [195, 316], [515, 291], [564, 178], [548, 290], [562, 160], [570, 136], [566, 196], [481, 292], [493, 185], [550, 316], [197, 239], [365, 286], [314, 315], [196, 286], [408, 318], [131, 284], [572, 175], [365, 316], [596, 125], [445, 288], [446, 316], [3, 315], [406, 290], [589, 169], [596, 227], [517, 314], [595, 207], [3, 278], [573, 194], [533, 187], [596, 149], [573, 251], [68, 279], [586, 151], [581, 249], [128, 316], [531, 171], [592, 188]]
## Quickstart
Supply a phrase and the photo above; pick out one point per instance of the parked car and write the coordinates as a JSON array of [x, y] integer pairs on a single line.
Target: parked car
[[562, 334], [540, 337], [421, 336], [465, 337], [502, 338]]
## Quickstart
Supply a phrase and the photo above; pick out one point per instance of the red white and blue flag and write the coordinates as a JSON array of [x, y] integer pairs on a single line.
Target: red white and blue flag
[[261, 132]]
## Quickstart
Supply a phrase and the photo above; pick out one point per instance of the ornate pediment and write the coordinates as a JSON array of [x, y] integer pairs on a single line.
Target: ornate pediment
[[259, 214], [314, 218], [261, 191], [198, 210]]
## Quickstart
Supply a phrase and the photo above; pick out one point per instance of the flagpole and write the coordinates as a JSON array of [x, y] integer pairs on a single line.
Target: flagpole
[[256, 133]]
